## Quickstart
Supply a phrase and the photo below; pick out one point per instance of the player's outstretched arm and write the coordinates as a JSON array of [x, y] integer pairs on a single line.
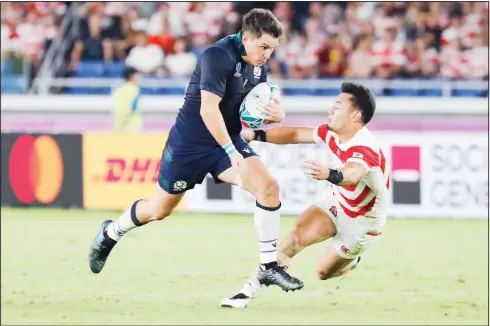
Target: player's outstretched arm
[[282, 135], [359, 160], [349, 175], [352, 172]]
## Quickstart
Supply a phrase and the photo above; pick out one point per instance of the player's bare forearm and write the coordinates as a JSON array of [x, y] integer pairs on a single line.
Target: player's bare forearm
[[212, 117], [290, 135], [352, 172]]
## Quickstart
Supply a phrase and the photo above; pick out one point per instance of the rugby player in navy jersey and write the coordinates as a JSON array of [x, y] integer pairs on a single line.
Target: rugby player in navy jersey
[[206, 139]]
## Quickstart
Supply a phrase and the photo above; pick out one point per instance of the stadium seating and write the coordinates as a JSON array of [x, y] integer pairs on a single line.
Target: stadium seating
[[289, 57]]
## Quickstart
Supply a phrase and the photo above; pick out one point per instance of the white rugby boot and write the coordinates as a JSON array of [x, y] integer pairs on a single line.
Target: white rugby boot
[[240, 300]]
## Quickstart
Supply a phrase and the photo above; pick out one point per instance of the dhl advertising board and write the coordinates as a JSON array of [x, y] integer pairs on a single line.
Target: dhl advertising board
[[41, 170], [120, 168]]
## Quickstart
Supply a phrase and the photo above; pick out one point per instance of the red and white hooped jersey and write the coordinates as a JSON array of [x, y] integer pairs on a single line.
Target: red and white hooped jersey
[[370, 196]]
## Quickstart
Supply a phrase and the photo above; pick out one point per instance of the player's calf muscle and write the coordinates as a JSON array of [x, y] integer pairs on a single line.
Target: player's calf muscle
[[148, 210], [260, 183], [157, 207], [268, 193], [295, 241], [288, 248]]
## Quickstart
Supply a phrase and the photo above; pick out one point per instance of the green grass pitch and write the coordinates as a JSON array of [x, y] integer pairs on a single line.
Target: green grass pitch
[[176, 272]]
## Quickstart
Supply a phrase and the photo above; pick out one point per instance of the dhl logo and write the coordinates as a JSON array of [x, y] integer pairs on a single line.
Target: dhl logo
[[135, 170]]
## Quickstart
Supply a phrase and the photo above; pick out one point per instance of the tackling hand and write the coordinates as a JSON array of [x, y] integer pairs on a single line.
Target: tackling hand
[[274, 111], [315, 170], [248, 135]]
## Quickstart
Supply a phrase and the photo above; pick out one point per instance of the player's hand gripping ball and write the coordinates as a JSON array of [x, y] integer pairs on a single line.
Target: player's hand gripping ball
[[261, 103]]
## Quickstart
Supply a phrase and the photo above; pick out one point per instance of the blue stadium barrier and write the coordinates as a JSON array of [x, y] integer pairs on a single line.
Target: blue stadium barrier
[[13, 84], [466, 93], [89, 69], [6, 67], [430, 92], [99, 78], [114, 69]]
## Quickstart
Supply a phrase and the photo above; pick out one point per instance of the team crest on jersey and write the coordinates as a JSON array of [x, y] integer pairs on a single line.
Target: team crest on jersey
[[238, 70], [257, 72], [333, 210]]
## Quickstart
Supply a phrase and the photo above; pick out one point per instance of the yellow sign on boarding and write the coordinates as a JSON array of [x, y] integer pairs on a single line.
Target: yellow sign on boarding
[[120, 168]]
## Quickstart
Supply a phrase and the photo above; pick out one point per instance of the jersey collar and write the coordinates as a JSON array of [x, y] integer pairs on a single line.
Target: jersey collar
[[239, 44]]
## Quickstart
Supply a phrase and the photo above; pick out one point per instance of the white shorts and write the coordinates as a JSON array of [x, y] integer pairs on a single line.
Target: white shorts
[[354, 235]]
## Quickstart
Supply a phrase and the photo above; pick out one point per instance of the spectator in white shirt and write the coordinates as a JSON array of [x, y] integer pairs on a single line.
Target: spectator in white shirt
[[477, 57], [360, 62], [183, 62], [147, 58], [166, 22], [302, 57]]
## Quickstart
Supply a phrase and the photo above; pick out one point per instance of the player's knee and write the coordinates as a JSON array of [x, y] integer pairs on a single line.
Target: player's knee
[[160, 214], [323, 274], [270, 189]]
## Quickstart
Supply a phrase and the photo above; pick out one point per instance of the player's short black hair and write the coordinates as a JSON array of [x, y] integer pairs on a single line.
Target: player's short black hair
[[362, 99], [260, 21], [129, 72]]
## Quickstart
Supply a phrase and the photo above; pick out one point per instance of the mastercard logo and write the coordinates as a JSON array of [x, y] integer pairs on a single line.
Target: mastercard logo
[[36, 169]]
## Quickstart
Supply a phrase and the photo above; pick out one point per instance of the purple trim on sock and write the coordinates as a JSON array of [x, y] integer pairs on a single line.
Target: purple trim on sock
[[267, 251], [268, 241]]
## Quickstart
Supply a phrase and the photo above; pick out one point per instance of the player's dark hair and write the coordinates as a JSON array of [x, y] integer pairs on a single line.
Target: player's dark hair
[[362, 99], [129, 72], [260, 21]]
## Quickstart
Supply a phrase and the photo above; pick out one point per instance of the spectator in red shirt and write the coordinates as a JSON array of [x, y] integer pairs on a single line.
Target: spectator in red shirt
[[333, 56], [164, 27]]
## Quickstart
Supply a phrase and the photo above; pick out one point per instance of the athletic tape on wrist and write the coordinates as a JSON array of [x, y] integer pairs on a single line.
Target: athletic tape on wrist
[[229, 148]]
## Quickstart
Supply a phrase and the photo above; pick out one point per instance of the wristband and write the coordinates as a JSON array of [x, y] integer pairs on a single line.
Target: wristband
[[335, 177], [229, 148], [260, 135]]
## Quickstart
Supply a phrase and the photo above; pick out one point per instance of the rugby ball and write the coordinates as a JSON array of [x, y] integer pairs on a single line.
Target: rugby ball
[[251, 113]]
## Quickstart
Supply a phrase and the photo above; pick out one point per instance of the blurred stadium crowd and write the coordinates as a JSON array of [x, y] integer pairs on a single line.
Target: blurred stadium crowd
[[322, 39]]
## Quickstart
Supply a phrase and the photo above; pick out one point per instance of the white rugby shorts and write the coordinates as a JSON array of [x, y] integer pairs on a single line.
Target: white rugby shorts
[[354, 235]]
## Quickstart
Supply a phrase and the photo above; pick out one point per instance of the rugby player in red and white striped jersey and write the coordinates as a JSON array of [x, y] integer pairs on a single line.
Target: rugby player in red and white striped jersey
[[353, 208]]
